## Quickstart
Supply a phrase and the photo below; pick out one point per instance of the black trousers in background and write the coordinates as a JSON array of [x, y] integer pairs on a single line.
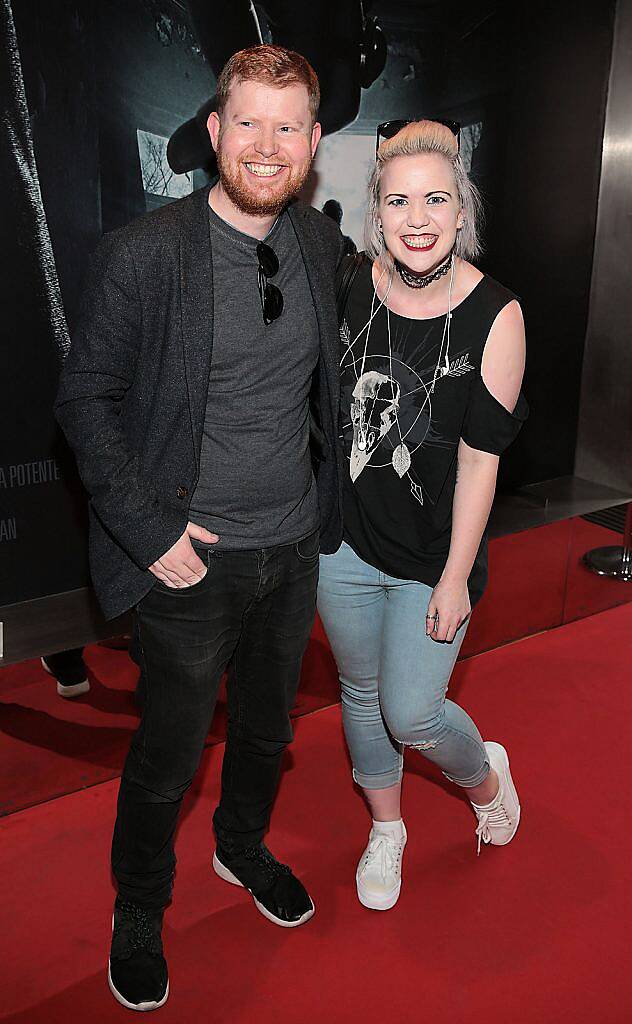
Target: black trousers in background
[[253, 612]]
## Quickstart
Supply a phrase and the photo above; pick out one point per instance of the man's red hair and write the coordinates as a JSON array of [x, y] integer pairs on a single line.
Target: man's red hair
[[271, 65]]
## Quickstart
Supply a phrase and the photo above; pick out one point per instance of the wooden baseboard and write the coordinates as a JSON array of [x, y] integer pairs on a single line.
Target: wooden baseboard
[[54, 623]]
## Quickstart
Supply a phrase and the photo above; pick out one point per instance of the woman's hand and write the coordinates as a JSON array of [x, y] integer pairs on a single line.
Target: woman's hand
[[449, 607]]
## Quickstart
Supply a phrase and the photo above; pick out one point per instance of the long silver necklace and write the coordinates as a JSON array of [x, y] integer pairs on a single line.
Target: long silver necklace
[[441, 369], [401, 453], [443, 360], [363, 422]]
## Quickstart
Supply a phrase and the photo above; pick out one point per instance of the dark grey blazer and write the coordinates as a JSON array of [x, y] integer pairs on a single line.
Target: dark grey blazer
[[133, 390]]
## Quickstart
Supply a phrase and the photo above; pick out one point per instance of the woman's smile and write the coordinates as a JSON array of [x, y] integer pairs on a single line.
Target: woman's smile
[[417, 243]]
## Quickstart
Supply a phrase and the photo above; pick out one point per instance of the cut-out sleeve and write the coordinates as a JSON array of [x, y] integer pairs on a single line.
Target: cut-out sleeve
[[488, 426]]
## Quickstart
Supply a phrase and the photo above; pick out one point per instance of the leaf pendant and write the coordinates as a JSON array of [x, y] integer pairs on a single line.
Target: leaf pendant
[[401, 460]]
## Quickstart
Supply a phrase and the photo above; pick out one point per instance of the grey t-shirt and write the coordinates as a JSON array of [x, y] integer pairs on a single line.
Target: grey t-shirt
[[256, 487]]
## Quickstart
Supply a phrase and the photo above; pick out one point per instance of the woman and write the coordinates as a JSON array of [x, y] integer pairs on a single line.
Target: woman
[[431, 368]]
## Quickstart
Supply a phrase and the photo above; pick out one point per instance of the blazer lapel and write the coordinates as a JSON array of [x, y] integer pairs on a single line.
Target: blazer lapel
[[322, 288], [196, 304]]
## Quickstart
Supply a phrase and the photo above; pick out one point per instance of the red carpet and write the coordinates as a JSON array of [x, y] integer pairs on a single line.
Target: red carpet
[[536, 933]]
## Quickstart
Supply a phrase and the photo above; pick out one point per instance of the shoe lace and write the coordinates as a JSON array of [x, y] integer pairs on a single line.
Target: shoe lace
[[140, 928], [495, 817], [383, 850], [264, 859]]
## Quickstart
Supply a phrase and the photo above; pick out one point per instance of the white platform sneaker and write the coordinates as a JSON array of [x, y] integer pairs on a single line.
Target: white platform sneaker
[[498, 820], [379, 874]]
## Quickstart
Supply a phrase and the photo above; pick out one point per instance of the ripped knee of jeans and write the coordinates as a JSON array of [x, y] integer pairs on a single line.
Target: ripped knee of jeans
[[428, 745], [418, 744], [422, 734]]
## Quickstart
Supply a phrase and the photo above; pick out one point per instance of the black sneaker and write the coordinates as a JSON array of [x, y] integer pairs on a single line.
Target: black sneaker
[[69, 669], [277, 893], [137, 974]]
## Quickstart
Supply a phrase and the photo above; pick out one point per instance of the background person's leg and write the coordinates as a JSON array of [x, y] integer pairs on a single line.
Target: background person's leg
[[70, 671]]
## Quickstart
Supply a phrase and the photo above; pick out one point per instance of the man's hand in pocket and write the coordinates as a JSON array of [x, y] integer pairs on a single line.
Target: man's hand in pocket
[[180, 566]]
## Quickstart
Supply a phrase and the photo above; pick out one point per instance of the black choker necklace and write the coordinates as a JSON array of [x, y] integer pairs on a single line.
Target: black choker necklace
[[413, 280]]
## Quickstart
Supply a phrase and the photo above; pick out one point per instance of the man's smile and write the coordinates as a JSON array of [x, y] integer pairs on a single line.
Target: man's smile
[[263, 170]]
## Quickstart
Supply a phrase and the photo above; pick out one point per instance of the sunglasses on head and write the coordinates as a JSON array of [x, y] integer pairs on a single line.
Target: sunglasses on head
[[388, 129], [270, 295]]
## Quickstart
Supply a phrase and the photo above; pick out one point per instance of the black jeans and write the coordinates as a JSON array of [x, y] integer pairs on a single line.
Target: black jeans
[[253, 612]]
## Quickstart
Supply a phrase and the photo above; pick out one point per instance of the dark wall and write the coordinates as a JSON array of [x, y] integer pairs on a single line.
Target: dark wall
[[542, 228], [39, 490]]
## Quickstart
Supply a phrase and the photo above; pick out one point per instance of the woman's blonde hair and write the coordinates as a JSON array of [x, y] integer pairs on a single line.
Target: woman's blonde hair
[[411, 140]]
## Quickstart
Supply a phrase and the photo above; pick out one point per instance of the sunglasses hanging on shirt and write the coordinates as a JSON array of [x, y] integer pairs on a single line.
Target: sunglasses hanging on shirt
[[270, 295], [388, 129]]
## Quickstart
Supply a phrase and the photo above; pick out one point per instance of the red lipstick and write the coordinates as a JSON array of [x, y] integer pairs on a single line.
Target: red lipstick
[[419, 248]]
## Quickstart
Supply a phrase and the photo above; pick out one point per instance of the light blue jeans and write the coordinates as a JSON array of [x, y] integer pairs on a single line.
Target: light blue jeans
[[394, 678]]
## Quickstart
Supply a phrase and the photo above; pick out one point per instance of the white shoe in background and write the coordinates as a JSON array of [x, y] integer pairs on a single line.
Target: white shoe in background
[[69, 669]]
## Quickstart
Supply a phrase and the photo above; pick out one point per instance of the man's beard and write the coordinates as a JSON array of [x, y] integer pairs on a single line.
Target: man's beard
[[252, 202]]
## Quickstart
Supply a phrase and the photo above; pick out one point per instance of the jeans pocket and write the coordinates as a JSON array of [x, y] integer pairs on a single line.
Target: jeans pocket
[[308, 549]]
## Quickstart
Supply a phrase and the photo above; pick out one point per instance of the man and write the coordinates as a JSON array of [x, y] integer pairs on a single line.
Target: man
[[186, 397]]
